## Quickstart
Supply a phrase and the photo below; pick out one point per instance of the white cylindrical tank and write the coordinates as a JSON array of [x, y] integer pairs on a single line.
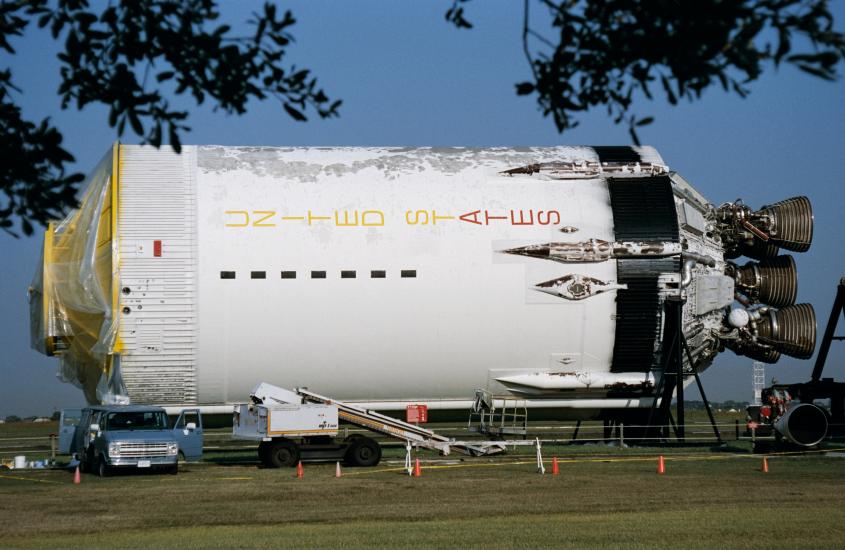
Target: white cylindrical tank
[[386, 275]]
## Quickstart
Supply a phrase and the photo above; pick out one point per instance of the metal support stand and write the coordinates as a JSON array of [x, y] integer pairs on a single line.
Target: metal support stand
[[541, 469], [824, 348], [671, 382], [701, 391], [671, 376], [408, 466]]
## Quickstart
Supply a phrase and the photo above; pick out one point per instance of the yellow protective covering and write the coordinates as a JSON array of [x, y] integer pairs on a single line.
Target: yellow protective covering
[[73, 297]]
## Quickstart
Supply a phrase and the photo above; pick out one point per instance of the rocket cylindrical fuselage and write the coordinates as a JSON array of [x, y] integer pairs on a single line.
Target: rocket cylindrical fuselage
[[406, 274]]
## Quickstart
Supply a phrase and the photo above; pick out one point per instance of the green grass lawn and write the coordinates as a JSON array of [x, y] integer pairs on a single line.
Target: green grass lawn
[[704, 500], [605, 496]]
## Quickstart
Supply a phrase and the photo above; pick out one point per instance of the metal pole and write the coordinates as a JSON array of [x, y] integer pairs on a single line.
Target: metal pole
[[659, 393], [575, 433], [621, 435], [701, 391], [838, 305], [540, 467], [679, 369], [707, 408]]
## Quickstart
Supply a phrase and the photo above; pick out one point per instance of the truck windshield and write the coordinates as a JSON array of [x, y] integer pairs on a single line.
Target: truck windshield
[[150, 420]]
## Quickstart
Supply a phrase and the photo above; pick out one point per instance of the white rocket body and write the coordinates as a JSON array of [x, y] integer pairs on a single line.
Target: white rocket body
[[388, 275]]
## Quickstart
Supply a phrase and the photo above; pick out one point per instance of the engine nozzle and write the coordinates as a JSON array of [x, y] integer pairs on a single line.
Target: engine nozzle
[[787, 224], [802, 424], [772, 282], [790, 331], [791, 225]]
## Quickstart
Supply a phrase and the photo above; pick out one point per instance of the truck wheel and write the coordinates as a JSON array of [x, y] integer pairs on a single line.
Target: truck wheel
[[86, 461], [363, 452], [103, 469], [283, 453], [264, 454]]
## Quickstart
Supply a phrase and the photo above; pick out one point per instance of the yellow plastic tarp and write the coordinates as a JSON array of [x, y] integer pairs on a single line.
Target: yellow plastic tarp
[[73, 295]]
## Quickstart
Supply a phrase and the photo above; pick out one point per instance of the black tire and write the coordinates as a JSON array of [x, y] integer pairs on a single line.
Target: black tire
[[264, 454], [103, 469], [86, 461], [283, 454], [363, 452], [172, 470]]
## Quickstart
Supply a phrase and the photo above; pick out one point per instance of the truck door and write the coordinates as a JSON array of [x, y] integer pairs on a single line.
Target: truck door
[[188, 433], [68, 421]]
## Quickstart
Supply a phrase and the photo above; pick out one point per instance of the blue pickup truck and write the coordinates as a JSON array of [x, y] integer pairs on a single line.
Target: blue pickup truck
[[107, 437]]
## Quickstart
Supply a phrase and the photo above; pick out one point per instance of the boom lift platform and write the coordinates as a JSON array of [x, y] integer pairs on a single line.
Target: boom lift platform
[[301, 425]]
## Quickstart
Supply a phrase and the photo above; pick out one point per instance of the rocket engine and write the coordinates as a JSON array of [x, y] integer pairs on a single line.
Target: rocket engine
[[769, 323], [801, 424]]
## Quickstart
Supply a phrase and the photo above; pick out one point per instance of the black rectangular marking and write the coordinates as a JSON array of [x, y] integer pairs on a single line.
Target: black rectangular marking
[[288, 274], [227, 274], [258, 275], [378, 274], [348, 274], [318, 274], [409, 273]]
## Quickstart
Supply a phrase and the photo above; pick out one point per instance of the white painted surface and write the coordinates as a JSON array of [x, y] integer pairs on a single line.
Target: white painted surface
[[158, 312], [469, 315]]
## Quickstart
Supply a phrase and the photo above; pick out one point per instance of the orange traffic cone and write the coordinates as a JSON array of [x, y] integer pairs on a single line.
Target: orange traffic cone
[[417, 469], [765, 467], [299, 471], [337, 470], [77, 479], [661, 465], [555, 469]]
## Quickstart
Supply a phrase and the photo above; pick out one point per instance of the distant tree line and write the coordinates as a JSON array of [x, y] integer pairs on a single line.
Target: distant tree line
[[729, 404], [15, 418]]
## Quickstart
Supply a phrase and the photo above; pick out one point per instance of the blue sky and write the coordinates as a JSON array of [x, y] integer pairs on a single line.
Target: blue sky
[[408, 78]]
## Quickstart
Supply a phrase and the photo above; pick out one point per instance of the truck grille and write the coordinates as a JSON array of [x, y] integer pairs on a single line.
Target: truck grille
[[142, 450]]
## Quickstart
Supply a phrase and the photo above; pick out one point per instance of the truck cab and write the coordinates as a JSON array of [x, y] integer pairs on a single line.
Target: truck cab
[[107, 437]]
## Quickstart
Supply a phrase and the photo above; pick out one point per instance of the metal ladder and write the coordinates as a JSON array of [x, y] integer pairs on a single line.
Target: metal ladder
[[510, 418], [394, 427]]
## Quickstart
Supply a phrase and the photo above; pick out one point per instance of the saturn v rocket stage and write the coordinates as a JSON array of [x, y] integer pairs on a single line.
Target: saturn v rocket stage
[[391, 276]]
